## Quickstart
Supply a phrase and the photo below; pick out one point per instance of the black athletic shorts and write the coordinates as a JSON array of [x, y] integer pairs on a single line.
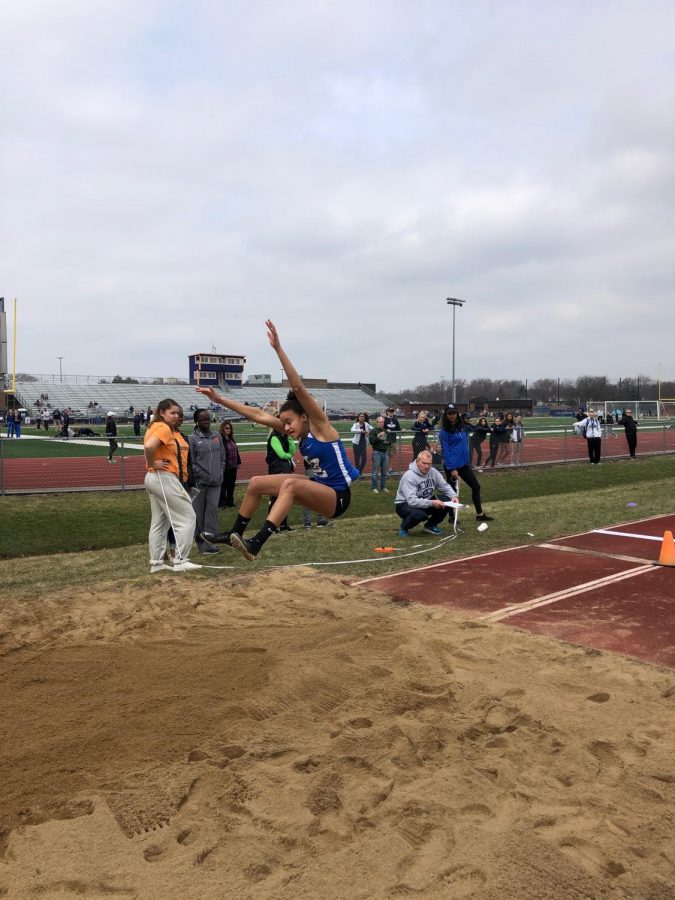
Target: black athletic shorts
[[342, 501]]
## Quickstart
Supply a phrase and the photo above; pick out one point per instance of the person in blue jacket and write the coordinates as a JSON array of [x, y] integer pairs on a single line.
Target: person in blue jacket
[[326, 491], [454, 440]]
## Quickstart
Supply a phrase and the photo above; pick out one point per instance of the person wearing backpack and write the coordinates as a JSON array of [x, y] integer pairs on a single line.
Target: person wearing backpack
[[591, 429]]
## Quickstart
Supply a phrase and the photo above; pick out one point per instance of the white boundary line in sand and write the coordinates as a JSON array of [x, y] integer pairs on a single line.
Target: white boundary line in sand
[[508, 611], [450, 562]]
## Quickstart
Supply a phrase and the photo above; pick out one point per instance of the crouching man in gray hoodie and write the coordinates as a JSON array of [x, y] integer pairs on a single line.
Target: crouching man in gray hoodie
[[415, 501]]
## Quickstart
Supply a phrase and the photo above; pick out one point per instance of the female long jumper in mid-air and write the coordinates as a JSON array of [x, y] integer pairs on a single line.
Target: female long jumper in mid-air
[[325, 492]]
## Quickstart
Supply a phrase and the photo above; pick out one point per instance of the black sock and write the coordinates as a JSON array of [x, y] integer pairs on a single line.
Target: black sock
[[265, 533], [240, 524]]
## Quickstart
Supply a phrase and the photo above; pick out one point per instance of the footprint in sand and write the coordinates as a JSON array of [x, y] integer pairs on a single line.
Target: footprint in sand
[[591, 858], [153, 853], [601, 697], [610, 765], [463, 881]]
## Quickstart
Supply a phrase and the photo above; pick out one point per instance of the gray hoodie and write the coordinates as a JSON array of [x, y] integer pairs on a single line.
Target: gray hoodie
[[418, 490], [207, 457]]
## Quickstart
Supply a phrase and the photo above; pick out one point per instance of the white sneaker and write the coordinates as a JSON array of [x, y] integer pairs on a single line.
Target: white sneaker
[[159, 567], [184, 565], [375, 491], [385, 490]]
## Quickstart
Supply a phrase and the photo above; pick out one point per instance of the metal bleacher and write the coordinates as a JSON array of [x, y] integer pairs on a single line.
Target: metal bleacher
[[119, 397]]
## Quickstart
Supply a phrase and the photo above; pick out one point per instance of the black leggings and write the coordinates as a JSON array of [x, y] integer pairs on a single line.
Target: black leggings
[[494, 449], [467, 476], [478, 447]]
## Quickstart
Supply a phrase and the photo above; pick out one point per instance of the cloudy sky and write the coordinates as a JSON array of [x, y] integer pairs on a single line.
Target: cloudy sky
[[173, 173]]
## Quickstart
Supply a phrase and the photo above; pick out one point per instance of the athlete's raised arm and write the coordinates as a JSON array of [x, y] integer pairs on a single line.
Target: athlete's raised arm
[[252, 413], [320, 423]]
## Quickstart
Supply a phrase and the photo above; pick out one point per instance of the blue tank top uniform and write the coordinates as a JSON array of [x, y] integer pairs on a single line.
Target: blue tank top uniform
[[326, 463]]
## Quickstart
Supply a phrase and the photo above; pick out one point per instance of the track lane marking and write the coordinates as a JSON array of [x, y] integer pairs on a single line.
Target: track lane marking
[[508, 611], [627, 534], [600, 553]]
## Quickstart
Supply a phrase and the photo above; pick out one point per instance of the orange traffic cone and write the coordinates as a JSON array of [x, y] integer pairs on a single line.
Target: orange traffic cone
[[667, 555]]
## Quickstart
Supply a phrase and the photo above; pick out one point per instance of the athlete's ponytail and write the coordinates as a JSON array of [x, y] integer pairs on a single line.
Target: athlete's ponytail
[[293, 404]]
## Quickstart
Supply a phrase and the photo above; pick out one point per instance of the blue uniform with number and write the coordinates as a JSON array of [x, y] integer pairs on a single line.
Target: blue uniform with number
[[326, 463]]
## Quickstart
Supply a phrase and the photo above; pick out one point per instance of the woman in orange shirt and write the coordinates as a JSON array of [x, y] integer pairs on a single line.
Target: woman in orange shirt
[[166, 452]]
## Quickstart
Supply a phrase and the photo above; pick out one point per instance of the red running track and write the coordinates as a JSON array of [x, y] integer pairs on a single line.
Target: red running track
[[597, 590], [90, 472]]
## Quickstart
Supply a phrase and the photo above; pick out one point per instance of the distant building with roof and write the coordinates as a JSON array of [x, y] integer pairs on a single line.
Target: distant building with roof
[[212, 369]]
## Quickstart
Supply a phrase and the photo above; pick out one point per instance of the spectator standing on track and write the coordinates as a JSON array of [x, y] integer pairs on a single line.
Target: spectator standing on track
[[480, 431], [630, 426], [393, 426], [497, 429], [379, 441], [416, 499], [207, 460], [517, 435], [111, 434], [421, 428], [504, 455], [232, 463], [65, 423], [360, 430], [455, 446], [166, 458], [591, 429], [11, 423]]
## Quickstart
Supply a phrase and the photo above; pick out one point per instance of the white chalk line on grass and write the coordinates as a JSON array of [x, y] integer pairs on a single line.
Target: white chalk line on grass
[[508, 611], [346, 562]]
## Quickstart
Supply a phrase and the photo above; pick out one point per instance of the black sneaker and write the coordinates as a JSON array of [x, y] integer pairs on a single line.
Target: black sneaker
[[483, 517], [323, 523], [209, 549], [220, 537], [286, 528], [243, 546]]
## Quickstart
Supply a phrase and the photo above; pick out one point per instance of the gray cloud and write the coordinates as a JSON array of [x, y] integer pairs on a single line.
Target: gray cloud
[[172, 177]]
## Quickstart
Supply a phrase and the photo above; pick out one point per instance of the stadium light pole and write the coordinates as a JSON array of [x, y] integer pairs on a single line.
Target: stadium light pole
[[60, 369], [454, 303]]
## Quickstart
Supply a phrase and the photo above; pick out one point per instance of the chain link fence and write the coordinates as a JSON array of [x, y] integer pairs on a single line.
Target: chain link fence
[[39, 464]]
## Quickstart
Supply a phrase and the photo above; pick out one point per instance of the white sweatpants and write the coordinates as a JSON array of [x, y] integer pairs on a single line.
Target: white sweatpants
[[180, 514]]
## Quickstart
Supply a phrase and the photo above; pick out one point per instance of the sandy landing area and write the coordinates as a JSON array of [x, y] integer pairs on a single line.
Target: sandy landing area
[[286, 736]]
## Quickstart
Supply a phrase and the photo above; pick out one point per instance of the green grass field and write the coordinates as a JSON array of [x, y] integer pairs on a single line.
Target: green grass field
[[53, 541]]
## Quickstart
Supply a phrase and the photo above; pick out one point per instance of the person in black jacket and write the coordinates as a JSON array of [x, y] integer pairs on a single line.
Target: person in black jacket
[[232, 463], [630, 427], [496, 432], [111, 434], [479, 432], [392, 426]]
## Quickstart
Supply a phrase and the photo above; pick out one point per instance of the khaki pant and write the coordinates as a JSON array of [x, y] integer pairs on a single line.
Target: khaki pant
[[170, 505]]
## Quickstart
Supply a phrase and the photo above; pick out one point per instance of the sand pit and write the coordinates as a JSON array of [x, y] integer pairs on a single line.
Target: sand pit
[[286, 736]]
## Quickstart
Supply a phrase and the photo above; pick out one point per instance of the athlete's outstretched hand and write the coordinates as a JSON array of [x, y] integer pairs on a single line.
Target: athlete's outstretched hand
[[272, 335], [209, 392]]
